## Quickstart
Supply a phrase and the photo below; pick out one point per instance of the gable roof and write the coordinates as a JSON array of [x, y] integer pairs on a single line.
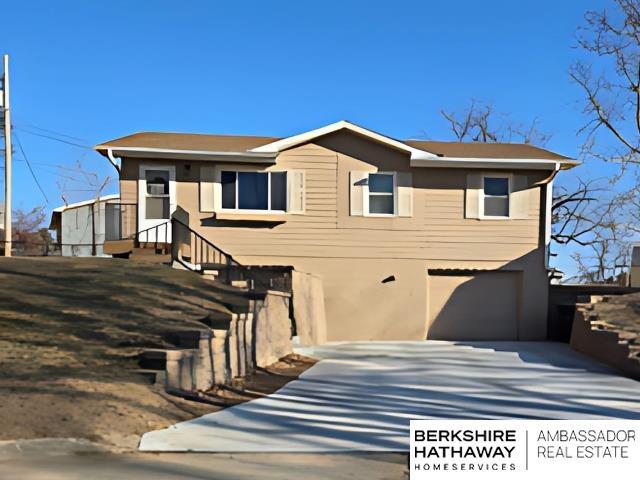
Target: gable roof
[[265, 149], [309, 136]]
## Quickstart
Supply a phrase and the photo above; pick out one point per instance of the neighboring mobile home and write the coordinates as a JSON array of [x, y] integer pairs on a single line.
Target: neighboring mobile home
[[81, 228], [413, 239]]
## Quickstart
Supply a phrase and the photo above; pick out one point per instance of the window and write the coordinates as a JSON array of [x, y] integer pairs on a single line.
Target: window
[[496, 197], [157, 194], [266, 191], [381, 194]]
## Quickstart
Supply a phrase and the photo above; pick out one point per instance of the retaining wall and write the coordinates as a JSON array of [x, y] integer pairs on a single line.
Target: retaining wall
[[606, 346], [253, 340]]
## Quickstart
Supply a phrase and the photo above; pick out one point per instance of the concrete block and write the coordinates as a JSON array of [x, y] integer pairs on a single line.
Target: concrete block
[[172, 378], [248, 343], [308, 308], [240, 347], [232, 348], [221, 371], [272, 329], [186, 371], [203, 364]]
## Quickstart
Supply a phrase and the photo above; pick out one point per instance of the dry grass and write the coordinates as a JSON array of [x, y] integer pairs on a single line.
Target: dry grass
[[70, 331]]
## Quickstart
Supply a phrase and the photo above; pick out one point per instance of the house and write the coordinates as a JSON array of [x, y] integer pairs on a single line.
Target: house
[[412, 239], [81, 228]]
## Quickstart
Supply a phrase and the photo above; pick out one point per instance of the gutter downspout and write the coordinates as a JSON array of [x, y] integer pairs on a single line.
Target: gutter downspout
[[548, 190], [550, 178], [113, 160]]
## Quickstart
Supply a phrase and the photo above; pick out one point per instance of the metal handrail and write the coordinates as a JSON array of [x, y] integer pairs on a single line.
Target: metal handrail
[[203, 252], [204, 241]]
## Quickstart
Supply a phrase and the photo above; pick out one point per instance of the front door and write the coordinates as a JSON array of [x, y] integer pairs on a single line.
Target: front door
[[156, 202]]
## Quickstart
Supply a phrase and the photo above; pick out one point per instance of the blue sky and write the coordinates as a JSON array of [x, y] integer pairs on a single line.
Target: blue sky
[[99, 70]]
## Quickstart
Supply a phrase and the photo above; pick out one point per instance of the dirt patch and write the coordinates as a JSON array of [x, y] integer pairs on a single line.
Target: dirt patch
[[622, 313], [70, 333], [262, 382]]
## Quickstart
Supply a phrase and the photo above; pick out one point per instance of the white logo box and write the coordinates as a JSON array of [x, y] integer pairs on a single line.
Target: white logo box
[[516, 449]]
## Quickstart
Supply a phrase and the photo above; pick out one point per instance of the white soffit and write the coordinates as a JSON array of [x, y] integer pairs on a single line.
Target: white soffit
[[144, 152]]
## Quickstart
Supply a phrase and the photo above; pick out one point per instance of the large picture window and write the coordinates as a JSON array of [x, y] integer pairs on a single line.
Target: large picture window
[[261, 191], [496, 197]]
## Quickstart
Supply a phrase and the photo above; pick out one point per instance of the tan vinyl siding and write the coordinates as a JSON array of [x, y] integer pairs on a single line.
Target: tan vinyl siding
[[353, 254], [437, 230]]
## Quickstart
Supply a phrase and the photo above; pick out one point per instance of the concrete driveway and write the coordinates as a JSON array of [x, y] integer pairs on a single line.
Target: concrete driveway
[[361, 395]]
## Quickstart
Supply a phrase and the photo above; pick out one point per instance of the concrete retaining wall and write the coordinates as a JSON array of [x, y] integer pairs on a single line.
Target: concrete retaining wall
[[255, 339], [603, 345], [562, 305]]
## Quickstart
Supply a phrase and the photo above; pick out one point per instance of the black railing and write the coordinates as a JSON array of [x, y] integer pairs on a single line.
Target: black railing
[[121, 223], [268, 277], [191, 249], [158, 235], [198, 254]]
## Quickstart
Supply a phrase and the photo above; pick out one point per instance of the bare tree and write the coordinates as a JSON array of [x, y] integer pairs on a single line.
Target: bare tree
[[480, 122], [583, 215], [611, 80], [609, 76], [78, 179], [28, 231], [605, 258]]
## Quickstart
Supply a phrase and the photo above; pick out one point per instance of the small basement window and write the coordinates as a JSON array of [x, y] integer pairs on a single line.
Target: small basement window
[[381, 194], [496, 197], [254, 191]]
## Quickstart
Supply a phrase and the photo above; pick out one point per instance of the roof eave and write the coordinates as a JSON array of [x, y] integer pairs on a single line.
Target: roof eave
[[176, 154], [510, 163]]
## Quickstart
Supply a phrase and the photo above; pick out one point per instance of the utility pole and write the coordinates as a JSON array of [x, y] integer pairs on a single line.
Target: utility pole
[[7, 157]]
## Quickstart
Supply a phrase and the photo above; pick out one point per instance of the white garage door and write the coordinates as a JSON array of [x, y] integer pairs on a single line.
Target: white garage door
[[474, 306]]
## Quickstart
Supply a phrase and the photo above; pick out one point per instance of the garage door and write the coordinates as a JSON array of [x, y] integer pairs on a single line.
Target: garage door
[[473, 306]]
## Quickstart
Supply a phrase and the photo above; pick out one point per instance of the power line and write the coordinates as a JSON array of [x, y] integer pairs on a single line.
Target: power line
[[47, 130], [56, 139], [26, 159]]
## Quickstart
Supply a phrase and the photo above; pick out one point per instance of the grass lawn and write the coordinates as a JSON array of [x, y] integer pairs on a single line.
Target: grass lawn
[[70, 331]]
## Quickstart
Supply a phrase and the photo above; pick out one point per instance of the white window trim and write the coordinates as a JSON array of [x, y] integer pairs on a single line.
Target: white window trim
[[237, 210], [142, 193], [366, 193], [481, 196]]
